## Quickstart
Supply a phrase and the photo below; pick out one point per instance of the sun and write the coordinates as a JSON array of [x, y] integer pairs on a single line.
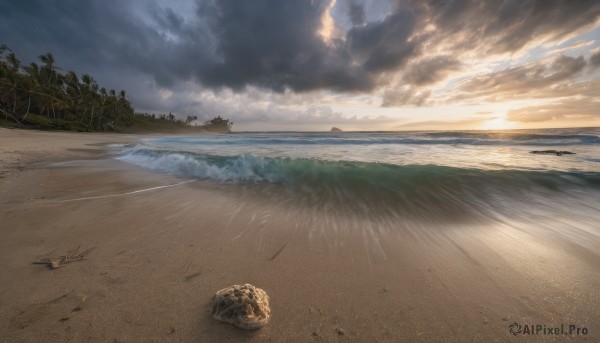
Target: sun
[[497, 123]]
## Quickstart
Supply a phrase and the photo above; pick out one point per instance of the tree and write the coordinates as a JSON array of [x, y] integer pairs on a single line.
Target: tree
[[50, 82], [31, 84], [190, 119], [10, 83], [42, 96], [218, 124]]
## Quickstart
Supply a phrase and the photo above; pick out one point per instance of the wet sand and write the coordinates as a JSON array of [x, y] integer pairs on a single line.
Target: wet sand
[[160, 254]]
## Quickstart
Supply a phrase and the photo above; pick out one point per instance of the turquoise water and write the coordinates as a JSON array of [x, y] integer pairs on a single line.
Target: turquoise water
[[409, 173]]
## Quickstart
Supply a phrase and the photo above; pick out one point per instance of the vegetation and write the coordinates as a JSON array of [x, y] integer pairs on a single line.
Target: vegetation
[[40, 96], [167, 122], [218, 124]]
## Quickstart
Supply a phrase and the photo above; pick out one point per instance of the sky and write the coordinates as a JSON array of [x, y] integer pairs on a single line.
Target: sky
[[310, 65]]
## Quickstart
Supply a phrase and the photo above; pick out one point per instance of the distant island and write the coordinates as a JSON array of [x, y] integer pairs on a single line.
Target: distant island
[[335, 129], [41, 97]]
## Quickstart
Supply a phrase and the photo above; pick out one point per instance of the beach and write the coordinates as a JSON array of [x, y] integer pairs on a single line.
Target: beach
[[163, 244]]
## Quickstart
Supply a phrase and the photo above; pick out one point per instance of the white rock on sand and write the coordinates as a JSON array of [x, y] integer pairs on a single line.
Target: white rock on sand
[[243, 306]]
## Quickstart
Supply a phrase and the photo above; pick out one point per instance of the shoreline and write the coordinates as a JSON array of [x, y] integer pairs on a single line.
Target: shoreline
[[21, 147], [160, 255]]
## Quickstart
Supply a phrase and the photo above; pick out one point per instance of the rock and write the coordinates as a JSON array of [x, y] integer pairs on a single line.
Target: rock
[[243, 306], [552, 152], [335, 129]]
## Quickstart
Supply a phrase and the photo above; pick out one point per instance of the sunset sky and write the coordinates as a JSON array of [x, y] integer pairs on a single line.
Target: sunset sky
[[311, 65]]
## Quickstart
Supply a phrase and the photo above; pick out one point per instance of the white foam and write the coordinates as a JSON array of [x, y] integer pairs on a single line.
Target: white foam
[[240, 168]]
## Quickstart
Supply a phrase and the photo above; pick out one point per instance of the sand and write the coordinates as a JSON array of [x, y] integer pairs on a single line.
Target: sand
[[159, 255]]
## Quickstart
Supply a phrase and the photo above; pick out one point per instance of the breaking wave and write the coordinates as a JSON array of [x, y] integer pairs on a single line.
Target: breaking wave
[[345, 174]]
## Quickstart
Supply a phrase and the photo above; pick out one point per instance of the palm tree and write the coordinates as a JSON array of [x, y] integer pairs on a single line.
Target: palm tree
[[104, 101], [50, 81], [31, 84], [87, 82], [73, 91], [48, 61], [93, 94], [11, 82], [43, 89]]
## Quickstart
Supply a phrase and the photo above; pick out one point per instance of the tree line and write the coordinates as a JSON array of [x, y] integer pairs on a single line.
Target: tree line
[[42, 96], [217, 124]]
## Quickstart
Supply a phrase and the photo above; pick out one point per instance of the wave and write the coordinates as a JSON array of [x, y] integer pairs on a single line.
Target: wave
[[429, 192], [347, 174], [430, 138], [520, 138]]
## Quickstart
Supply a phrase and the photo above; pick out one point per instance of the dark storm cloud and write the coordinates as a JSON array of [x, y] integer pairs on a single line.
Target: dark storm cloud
[[276, 44], [107, 37], [595, 59], [384, 45], [430, 70], [356, 13]]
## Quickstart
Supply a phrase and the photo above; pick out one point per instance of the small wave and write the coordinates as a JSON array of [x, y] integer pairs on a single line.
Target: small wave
[[431, 138], [596, 160], [519, 138]]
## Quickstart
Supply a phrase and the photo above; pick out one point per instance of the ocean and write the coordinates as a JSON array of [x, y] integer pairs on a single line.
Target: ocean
[[419, 177]]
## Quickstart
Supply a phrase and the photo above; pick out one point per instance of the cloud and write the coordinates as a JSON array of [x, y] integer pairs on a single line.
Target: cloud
[[356, 14], [506, 26], [397, 50], [405, 96], [272, 44], [276, 45], [446, 125], [554, 79], [568, 109], [384, 45], [578, 45], [536, 79], [430, 70], [595, 59], [256, 109]]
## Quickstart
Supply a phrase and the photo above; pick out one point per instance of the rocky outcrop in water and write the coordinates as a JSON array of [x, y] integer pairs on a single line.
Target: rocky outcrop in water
[[244, 306], [335, 129], [552, 152]]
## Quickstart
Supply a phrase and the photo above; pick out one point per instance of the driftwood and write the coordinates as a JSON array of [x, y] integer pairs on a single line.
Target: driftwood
[[60, 261]]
